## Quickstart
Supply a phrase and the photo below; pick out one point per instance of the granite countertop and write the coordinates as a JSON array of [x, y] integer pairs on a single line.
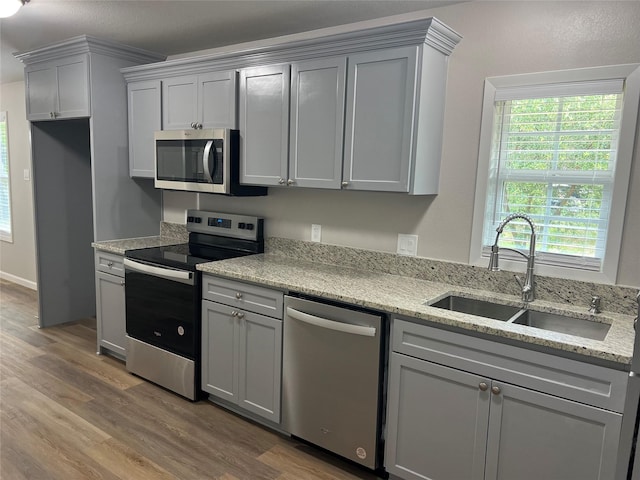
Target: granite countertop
[[408, 296], [120, 246]]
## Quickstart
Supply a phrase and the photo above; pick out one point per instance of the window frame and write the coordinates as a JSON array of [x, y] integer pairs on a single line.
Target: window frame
[[630, 74], [4, 235]]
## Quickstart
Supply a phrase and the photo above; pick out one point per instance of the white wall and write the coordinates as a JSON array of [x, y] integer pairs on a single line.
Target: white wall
[[499, 38], [18, 259]]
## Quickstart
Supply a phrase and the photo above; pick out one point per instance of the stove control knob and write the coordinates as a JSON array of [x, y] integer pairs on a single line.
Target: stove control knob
[[242, 225], [249, 226], [197, 220], [189, 219]]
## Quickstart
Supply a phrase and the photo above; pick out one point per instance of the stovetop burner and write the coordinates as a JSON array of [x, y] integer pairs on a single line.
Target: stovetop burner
[[213, 236]]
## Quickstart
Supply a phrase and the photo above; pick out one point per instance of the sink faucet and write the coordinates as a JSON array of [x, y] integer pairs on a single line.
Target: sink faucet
[[528, 285]]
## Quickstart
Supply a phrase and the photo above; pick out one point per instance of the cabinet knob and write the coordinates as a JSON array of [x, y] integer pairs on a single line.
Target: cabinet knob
[[234, 313], [122, 283], [198, 126], [345, 184], [290, 182], [495, 390], [109, 264], [281, 181], [240, 315], [238, 295], [51, 115], [483, 386], [193, 124]]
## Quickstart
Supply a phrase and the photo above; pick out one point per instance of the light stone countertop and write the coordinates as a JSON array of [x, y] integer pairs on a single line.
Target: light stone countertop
[[407, 296], [120, 246]]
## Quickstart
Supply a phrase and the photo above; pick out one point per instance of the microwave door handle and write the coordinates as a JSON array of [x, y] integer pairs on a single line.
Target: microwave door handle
[[205, 161]]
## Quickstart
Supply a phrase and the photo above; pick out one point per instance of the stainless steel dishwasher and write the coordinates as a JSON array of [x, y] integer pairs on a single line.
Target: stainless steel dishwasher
[[332, 379]]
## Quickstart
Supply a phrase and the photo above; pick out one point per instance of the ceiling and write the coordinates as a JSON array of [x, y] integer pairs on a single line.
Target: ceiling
[[180, 26]]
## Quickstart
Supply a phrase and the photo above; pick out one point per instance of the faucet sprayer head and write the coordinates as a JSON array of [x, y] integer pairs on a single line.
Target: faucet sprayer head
[[493, 259]]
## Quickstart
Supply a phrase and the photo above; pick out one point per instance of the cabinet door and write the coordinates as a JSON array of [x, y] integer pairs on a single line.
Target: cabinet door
[[144, 120], [110, 313], [533, 436], [179, 102], [260, 365], [264, 125], [58, 89], [73, 87], [317, 122], [379, 120], [219, 351], [217, 99], [41, 91], [436, 421]]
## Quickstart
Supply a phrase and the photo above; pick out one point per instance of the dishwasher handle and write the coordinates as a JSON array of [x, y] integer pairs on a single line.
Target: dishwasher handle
[[331, 324]]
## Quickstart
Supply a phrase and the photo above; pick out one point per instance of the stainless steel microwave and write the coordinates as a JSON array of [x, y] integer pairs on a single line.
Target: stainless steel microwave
[[205, 160]]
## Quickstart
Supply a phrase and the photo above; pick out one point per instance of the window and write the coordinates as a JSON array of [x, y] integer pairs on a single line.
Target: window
[[5, 194], [557, 147]]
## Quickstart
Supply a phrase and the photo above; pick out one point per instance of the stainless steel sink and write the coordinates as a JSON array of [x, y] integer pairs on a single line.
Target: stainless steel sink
[[480, 308], [563, 324], [580, 327]]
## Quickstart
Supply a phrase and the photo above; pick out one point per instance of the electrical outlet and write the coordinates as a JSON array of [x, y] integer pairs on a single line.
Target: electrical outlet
[[26, 174], [316, 233], [407, 244]]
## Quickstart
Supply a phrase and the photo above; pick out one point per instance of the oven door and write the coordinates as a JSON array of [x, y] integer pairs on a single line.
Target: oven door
[[162, 307]]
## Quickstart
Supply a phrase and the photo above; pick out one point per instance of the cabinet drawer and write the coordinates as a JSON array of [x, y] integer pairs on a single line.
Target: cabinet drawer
[[580, 381], [241, 295], [110, 263]]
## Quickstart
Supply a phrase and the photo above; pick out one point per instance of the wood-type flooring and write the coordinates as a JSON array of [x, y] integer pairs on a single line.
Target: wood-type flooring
[[67, 413]]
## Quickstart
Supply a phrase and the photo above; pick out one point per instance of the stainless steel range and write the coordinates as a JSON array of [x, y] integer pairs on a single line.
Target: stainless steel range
[[163, 294]]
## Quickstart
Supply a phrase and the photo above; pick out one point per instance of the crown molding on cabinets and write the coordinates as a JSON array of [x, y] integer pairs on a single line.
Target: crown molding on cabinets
[[323, 43], [88, 44]]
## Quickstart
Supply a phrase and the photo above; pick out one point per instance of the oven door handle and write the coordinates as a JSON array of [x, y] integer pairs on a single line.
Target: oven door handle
[[331, 324], [169, 274]]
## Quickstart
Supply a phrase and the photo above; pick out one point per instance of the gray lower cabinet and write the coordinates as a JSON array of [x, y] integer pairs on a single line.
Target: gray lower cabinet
[[242, 349], [447, 423], [110, 304]]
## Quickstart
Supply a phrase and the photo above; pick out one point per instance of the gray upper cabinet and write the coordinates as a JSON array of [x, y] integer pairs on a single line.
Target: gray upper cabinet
[[379, 120], [58, 89], [144, 120], [264, 125], [317, 122], [200, 101], [362, 109]]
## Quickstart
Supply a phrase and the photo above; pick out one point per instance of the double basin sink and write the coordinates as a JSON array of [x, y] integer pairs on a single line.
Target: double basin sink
[[558, 323]]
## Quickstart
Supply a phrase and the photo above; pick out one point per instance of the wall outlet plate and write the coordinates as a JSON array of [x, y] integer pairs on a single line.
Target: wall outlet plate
[[407, 245], [316, 233]]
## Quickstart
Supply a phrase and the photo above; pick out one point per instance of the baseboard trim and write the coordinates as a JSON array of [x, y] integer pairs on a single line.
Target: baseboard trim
[[19, 280]]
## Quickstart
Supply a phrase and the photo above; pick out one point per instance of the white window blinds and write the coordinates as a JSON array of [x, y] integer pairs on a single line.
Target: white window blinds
[[5, 195], [553, 157]]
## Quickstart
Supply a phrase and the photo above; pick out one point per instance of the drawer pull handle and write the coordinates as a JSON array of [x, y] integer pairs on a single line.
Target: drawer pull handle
[[238, 295], [109, 264]]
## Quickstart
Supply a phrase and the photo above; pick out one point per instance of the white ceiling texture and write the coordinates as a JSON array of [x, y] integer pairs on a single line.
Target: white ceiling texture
[[180, 26]]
